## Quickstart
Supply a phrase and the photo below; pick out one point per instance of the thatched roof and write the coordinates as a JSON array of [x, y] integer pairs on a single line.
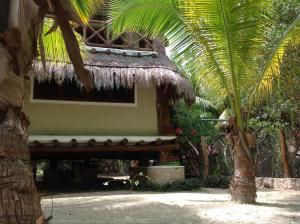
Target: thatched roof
[[115, 70]]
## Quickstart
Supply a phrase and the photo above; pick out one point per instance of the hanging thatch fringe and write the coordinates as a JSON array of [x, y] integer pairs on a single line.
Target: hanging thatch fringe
[[110, 77]]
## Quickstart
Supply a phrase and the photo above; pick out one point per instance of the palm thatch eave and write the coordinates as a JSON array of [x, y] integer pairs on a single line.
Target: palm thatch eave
[[115, 70]]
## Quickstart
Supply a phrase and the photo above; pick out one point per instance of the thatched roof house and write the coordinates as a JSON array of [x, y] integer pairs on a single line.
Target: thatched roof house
[[135, 89]]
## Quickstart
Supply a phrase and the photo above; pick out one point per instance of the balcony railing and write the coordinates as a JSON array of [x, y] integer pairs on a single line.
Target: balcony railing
[[96, 34]]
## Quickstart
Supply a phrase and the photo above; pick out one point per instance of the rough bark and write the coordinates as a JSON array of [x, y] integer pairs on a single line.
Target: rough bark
[[205, 158], [284, 155], [242, 187], [19, 201]]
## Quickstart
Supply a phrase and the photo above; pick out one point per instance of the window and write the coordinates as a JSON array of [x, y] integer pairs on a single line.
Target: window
[[70, 91]]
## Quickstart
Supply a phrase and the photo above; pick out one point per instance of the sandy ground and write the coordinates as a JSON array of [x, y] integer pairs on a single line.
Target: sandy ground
[[205, 206]]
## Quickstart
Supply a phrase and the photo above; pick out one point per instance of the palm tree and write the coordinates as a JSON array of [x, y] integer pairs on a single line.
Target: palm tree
[[20, 29], [222, 44]]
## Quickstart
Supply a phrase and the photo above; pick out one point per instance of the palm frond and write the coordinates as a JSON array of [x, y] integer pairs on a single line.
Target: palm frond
[[271, 68], [86, 9], [218, 43], [54, 45]]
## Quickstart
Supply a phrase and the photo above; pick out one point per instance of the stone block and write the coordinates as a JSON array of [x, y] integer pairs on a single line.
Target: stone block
[[278, 183], [161, 174]]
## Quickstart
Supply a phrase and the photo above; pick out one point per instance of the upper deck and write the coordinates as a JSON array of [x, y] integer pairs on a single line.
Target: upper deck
[[97, 34]]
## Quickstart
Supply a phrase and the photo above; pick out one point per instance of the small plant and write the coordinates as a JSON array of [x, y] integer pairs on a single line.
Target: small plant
[[139, 179]]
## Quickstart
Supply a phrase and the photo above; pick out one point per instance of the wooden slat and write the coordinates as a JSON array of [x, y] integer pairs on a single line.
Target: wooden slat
[[124, 141], [92, 142], [55, 142], [36, 143], [96, 27], [108, 142], [65, 150], [74, 142], [142, 142], [158, 141]]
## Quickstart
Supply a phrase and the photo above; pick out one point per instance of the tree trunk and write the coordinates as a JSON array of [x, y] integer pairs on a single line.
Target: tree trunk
[[205, 158], [19, 201], [284, 155], [242, 187]]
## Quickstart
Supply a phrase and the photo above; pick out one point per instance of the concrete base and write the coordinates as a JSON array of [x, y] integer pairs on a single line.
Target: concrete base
[[161, 174], [278, 183]]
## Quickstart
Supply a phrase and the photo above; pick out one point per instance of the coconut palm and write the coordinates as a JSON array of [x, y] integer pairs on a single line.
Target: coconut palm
[[21, 23], [222, 44]]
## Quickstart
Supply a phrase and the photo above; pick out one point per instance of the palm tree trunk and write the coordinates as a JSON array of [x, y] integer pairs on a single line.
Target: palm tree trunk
[[242, 187], [19, 201], [284, 156]]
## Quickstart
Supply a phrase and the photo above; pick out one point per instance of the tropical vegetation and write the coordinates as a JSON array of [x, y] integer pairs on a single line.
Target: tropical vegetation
[[226, 46], [241, 54]]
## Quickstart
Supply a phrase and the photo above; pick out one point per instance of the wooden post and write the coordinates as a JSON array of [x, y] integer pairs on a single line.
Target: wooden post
[[163, 110], [34, 168], [284, 156], [205, 157]]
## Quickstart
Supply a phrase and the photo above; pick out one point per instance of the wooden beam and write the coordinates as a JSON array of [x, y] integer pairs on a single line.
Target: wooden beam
[[55, 143], [108, 142], [142, 143], [158, 141], [163, 110], [74, 142], [41, 151], [124, 141], [36, 143], [92, 142]]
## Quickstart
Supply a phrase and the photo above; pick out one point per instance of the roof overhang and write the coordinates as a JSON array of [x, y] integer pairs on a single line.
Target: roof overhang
[[114, 70], [126, 147]]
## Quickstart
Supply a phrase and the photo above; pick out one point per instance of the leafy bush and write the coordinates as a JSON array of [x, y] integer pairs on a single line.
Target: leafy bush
[[217, 181], [188, 123], [184, 185]]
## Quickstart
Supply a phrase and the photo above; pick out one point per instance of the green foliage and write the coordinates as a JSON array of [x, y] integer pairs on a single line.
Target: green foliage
[[217, 181], [219, 43], [188, 120], [285, 12], [86, 9], [185, 185], [54, 45], [281, 108], [276, 114]]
